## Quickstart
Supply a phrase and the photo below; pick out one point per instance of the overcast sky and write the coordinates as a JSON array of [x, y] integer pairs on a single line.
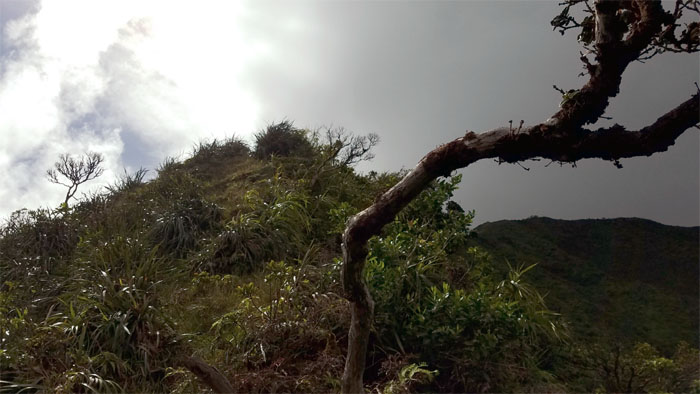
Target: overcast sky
[[139, 81]]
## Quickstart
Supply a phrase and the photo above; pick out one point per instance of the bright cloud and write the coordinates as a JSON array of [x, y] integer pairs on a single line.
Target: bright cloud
[[82, 76]]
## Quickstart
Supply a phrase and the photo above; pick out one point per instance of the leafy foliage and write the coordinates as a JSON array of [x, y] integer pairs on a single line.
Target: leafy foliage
[[128, 181], [281, 139], [272, 224], [179, 228], [641, 368], [106, 327], [621, 280], [31, 242], [460, 323], [234, 257]]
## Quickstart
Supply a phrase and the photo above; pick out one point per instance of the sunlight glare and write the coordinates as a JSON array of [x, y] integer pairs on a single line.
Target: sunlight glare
[[197, 47]]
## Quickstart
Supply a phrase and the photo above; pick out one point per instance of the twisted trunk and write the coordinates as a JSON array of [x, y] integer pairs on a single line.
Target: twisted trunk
[[560, 138]]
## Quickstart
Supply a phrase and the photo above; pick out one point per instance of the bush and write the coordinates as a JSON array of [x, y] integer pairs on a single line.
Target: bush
[[31, 242], [211, 160], [127, 182], [178, 229], [106, 327], [481, 335], [283, 335], [274, 225], [216, 150], [282, 139], [638, 369]]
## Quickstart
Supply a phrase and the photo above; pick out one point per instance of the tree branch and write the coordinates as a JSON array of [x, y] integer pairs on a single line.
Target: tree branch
[[77, 171], [208, 374], [624, 31], [546, 140], [613, 56]]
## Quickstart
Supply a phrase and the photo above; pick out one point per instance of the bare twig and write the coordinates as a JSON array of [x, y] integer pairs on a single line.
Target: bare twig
[[75, 171]]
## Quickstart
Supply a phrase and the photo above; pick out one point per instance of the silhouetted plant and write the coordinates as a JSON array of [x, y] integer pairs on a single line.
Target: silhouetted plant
[[281, 139], [169, 164], [229, 148], [128, 181], [75, 171]]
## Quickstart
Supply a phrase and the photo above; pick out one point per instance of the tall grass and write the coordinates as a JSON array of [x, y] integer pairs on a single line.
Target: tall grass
[[274, 224]]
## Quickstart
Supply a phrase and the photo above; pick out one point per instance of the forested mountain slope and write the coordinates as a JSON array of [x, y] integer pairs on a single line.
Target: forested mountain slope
[[625, 279]]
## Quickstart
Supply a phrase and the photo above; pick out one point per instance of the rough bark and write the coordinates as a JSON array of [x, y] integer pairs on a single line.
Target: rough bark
[[613, 55], [561, 138], [208, 374], [533, 142]]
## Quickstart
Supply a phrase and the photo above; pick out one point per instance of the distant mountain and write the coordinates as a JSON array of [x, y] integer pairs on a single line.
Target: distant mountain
[[626, 280]]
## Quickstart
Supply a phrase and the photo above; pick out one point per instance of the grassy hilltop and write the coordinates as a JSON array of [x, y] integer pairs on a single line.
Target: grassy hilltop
[[231, 259]]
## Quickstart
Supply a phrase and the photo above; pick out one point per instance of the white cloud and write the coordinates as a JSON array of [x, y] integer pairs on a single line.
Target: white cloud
[[78, 76]]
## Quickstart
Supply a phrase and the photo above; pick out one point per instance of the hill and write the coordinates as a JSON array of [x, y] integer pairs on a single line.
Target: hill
[[224, 273], [628, 279]]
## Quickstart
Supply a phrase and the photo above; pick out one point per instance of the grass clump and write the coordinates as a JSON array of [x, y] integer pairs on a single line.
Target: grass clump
[[273, 223], [281, 139], [179, 228]]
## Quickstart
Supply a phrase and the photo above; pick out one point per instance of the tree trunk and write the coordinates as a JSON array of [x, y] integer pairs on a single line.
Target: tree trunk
[[544, 140], [208, 375], [561, 138]]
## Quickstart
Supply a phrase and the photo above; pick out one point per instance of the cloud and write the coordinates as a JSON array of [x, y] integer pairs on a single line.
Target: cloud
[[115, 78], [139, 81]]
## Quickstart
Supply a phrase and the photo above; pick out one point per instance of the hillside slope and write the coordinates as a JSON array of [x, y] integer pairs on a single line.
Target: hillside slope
[[223, 272], [624, 279]]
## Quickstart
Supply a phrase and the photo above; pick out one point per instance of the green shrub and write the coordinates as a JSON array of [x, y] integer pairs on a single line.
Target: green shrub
[[213, 160], [107, 326], [636, 369], [114, 314], [408, 376], [127, 182], [173, 185], [481, 335], [274, 225], [281, 139], [283, 334], [178, 229], [215, 150], [43, 235]]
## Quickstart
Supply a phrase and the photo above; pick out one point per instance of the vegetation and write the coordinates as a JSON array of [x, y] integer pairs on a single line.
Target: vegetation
[[75, 172], [629, 280], [613, 34], [231, 259]]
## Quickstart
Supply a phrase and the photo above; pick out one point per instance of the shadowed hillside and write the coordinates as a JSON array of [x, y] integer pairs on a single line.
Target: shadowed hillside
[[623, 279], [223, 273]]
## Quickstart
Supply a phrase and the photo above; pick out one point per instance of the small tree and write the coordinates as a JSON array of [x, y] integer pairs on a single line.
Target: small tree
[[76, 171], [340, 148]]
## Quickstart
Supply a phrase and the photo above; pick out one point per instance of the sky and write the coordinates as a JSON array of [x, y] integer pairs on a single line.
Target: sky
[[141, 81]]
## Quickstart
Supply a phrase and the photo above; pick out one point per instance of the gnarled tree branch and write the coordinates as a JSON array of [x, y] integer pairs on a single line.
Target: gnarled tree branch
[[208, 374], [613, 56], [542, 140], [624, 30]]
